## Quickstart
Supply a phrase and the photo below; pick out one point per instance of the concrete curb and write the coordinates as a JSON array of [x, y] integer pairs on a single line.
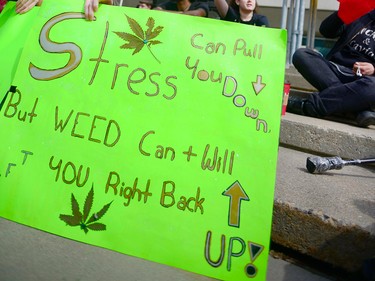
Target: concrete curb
[[322, 237]]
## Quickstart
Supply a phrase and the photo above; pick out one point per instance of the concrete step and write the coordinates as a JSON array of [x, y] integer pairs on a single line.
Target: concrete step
[[327, 137], [296, 81], [330, 216]]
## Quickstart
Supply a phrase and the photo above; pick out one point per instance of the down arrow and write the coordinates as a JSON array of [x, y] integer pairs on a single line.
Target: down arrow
[[258, 85]]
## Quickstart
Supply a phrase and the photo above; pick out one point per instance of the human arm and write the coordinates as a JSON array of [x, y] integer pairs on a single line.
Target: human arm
[[222, 7], [23, 6], [199, 9], [198, 12], [91, 6], [194, 9]]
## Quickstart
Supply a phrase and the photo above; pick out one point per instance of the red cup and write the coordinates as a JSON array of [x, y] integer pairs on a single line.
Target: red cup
[[285, 97]]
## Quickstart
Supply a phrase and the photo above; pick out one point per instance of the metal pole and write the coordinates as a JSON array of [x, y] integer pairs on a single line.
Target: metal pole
[[301, 21], [312, 22], [290, 31], [284, 12], [295, 28]]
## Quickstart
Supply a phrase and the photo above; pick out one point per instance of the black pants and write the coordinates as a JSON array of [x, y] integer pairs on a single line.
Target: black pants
[[340, 90]]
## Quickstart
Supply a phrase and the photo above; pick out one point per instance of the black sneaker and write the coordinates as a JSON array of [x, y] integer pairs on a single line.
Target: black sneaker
[[295, 105], [365, 118]]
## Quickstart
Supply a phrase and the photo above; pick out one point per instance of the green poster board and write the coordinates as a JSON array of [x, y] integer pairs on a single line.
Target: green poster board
[[148, 133]]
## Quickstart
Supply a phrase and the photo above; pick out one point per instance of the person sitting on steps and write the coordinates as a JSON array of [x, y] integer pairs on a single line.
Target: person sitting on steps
[[345, 78]]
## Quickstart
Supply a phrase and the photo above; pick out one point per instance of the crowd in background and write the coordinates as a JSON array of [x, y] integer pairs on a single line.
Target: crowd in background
[[242, 11]]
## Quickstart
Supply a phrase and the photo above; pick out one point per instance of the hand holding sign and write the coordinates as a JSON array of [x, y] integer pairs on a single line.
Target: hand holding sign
[[350, 10], [91, 7], [24, 6]]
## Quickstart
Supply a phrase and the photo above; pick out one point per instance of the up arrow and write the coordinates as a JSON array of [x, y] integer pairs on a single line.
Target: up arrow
[[258, 85], [236, 194]]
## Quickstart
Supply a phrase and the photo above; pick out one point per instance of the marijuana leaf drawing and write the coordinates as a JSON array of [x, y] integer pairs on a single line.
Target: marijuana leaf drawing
[[140, 38], [80, 219]]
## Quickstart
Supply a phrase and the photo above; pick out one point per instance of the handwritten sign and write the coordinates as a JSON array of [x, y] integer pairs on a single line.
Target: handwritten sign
[[148, 133]]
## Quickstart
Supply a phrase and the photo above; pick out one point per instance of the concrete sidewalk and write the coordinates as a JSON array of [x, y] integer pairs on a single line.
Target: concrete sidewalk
[[27, 254]]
